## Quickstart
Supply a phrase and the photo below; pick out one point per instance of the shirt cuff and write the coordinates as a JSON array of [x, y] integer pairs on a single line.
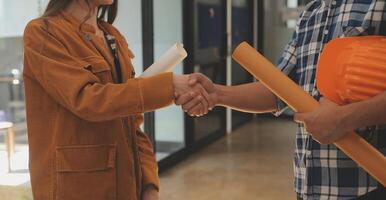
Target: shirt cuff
[[281, 107]]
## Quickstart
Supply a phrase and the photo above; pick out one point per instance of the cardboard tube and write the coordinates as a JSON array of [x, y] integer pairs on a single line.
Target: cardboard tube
[[166, 63], [358, 149]]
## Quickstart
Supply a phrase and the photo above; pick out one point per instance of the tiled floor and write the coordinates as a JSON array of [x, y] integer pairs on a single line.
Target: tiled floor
[[251, 164], [15, 185], [254, 163]]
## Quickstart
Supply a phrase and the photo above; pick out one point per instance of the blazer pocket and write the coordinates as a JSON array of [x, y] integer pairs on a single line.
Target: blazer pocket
[[100, 68], [86, 172]]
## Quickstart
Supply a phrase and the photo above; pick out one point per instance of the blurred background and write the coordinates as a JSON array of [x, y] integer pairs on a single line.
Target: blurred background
[[224, 155]]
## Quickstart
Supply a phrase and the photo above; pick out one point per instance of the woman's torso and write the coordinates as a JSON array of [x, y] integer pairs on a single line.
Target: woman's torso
[[73, 158]]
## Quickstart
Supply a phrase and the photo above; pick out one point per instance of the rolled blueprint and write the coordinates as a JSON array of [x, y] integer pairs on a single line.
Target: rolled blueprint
[[166, 63], [354, 146]]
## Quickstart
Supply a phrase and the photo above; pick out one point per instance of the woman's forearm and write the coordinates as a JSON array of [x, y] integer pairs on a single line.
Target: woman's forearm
[[366, 113], [252, 97]]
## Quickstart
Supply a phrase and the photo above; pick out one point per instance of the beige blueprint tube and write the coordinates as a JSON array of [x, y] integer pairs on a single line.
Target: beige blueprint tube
[[166, 63], [369, 158]]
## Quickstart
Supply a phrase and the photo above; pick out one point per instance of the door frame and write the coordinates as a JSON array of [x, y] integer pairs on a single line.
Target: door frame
[[148, 58]]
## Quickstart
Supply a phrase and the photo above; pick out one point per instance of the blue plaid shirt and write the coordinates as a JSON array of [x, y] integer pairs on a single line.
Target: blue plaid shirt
[[323, 171]]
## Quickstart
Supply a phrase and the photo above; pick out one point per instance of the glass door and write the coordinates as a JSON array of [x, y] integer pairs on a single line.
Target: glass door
[[169, 122], [129, 23], [242, 30], [205, 37]]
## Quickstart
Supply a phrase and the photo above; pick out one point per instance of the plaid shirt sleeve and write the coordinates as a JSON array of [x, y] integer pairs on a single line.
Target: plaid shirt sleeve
[[286, 64]]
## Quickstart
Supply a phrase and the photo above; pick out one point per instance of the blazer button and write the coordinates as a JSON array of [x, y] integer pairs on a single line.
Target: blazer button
[[87, 37]]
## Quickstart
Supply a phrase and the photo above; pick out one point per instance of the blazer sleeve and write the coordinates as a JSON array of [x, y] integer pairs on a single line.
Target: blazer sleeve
[[67, 80]]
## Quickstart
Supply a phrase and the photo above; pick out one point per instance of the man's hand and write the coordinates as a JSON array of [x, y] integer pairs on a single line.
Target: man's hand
[[150, 193], [191, 101], [201, 96], [325, 123]]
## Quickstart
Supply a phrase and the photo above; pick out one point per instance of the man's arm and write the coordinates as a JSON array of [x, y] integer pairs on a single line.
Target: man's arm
[[252, 97], [330, 122], [365, 113]]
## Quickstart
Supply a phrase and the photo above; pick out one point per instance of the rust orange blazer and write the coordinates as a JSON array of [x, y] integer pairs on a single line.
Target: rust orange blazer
[[84, 136]]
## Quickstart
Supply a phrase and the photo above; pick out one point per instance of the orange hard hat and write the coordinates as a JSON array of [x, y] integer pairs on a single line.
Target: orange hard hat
[[352, 69]]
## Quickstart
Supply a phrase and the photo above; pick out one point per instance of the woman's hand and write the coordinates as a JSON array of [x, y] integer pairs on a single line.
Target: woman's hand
[[150, 193], [191, 101], [191, 104]]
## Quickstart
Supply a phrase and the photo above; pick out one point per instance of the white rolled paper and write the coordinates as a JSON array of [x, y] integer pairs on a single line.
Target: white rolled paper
[[168, 61]]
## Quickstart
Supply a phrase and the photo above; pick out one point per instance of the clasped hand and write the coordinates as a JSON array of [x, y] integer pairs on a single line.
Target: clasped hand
[[326, 123], [195, 93]]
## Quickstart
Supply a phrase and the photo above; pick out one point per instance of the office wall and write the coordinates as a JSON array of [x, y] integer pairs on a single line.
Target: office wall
[[10, 58], [14, 16], [276, 33]]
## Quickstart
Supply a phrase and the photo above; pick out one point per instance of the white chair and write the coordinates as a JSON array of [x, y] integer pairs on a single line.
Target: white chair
[[9, 140]]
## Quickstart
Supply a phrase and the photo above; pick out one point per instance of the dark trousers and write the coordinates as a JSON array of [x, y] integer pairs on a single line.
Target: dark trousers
[[378, 194]]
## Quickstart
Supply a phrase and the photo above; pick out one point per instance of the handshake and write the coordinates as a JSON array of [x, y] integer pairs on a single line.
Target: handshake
[[195, 93]]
